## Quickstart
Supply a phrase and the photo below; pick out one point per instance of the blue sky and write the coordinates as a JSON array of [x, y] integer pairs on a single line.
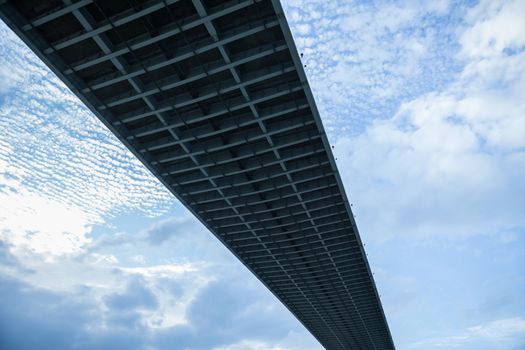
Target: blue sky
[[424, 103]]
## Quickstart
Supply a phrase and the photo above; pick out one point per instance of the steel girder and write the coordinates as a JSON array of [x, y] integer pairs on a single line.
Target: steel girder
[[211, 96]]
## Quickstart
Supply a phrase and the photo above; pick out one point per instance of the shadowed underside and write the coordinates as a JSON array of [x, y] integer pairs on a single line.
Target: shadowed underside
[[211, 96]]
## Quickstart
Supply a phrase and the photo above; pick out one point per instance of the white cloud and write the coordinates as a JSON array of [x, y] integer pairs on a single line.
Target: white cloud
[[139, 259], [495, 26], [61, 171], [303, 29], [292, 341], [106, 259], [39, 224], [189, 280], [161, 270], [449, 162], [173, 286], [7, 79], [505, 332], [364, 57], [43, 226], [251, 345]]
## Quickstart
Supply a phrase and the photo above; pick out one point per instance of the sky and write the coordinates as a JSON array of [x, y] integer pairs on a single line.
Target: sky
[[424, 103]]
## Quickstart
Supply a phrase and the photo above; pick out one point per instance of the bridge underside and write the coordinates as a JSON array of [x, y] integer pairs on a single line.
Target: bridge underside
[[211, 96]]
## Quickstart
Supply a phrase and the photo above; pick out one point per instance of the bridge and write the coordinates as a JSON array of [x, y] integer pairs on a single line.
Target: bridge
[[212, 97]]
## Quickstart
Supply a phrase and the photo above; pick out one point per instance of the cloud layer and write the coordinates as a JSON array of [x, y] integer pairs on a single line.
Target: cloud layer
[[450, 162], [61, 170], [231, 313], [363, 58]]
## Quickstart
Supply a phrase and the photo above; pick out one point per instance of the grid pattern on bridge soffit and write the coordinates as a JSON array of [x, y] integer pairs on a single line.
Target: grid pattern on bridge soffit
[[211, 96]]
